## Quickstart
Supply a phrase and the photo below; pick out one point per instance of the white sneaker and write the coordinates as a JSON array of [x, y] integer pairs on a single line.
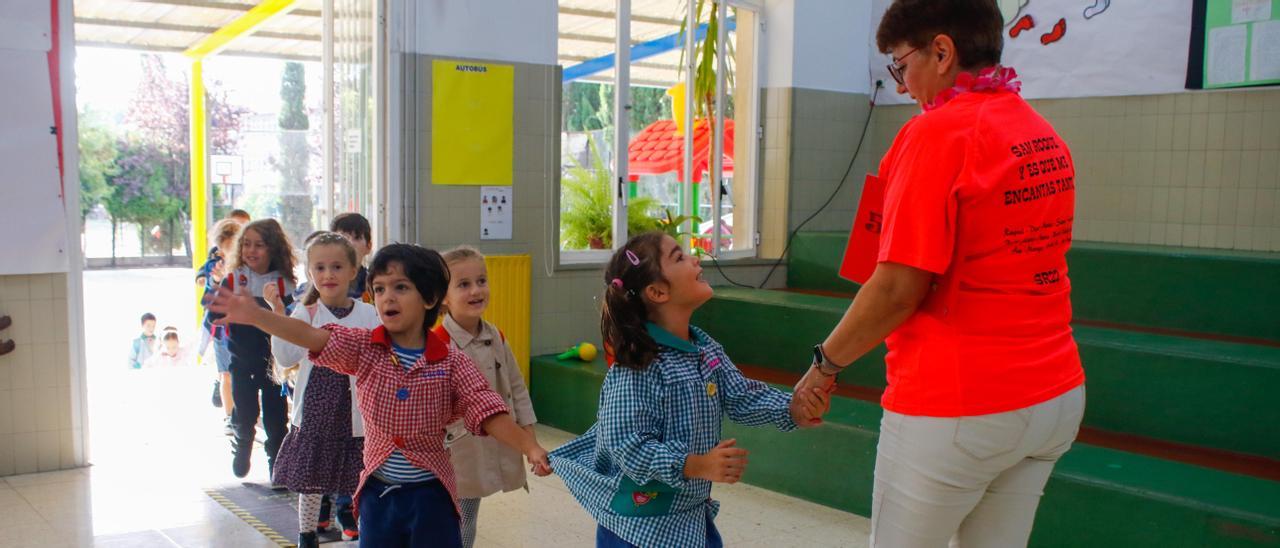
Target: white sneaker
[[227, 427]]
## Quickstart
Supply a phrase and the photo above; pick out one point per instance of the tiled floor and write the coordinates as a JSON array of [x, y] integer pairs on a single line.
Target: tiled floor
[[157, 443], [124, 506]]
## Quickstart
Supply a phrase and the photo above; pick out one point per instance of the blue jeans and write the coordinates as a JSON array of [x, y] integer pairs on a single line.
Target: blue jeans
[[606, 539], [222, 354], [408, 515]]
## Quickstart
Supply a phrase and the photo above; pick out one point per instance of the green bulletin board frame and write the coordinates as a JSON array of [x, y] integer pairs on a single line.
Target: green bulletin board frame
[[1218, 15]]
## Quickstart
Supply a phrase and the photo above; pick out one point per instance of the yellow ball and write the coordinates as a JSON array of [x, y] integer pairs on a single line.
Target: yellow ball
[[587, 351]]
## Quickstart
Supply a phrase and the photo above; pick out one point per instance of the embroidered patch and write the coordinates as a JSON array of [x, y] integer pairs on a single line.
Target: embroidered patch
[[711, 389], [713, 364], [435, 374], [641, 498]]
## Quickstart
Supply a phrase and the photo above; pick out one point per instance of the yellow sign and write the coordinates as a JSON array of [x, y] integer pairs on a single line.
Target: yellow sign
[[472, 133]]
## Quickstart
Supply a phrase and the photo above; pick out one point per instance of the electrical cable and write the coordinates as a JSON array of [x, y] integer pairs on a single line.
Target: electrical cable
[[857, 150]]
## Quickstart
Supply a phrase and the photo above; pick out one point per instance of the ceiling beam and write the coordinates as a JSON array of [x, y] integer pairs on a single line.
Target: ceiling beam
[[245, 25], [599, 14], [198, 29], [224, 5], [173, 49], [656, 66]]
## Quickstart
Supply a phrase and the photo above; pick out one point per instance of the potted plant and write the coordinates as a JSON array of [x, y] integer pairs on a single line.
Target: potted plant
[[586, 211]]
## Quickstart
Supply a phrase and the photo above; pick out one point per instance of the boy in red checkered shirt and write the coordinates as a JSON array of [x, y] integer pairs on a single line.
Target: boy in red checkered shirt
[[410, 385]]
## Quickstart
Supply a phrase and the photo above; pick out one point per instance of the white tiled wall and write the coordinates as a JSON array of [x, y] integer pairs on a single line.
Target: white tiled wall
[[36, 432]]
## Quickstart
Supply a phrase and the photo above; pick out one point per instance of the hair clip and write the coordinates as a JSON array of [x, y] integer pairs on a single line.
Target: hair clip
[[631, 256], [616, 282]]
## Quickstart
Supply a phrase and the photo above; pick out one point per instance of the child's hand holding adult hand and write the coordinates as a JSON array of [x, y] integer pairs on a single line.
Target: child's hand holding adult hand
[[235, 307], [724, 464], [808, 406]]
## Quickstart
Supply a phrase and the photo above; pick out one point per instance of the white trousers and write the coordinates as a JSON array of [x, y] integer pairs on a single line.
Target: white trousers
[[968, 482]]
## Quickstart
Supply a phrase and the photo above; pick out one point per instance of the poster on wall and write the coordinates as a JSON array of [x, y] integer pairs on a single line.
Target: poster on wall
[[35, 239], [496, 205], [1073, 48], [472, 123], [1238, 44]]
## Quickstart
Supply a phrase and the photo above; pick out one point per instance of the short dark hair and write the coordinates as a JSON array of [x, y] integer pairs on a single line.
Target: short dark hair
[[975, 26], [148, 317], [170, 332], [424, 267], [352, 223], [238, 213]]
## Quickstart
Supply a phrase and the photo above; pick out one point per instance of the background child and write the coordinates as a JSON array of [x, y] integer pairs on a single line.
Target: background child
[[357, 229], [411, 386], [262, 257], [645, 469], [322, 452], [145, 344], [223, 237], [169, 353], [483, 465]]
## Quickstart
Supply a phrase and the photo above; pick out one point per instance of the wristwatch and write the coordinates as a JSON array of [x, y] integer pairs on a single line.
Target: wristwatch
[[824, 365]]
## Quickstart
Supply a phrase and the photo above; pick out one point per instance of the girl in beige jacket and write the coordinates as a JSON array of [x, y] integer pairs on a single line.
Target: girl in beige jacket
[[483, 467]]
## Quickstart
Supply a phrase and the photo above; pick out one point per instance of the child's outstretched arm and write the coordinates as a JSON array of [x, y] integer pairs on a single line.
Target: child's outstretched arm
[[504, 429], [484, 412], [754, 403], [243, 309]]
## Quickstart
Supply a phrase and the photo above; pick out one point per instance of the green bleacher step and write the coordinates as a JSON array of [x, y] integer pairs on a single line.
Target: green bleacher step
[[1221, 292], [1097, 496], [1200, 392]]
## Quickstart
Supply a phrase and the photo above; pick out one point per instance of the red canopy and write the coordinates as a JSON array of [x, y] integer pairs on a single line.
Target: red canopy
[[658, 150]]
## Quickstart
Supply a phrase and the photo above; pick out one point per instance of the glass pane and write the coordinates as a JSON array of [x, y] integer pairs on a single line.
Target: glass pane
[[354, 104], [586, 126], [655, 150]]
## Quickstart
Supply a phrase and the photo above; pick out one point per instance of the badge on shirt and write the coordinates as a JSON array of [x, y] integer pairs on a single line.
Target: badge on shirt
[[711, 389]]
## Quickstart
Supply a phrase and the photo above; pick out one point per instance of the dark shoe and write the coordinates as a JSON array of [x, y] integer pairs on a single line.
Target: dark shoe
[[6, 347], [308, 540], [347, 522], [5, 322], [326, 511], [217, 394], [241, 451]]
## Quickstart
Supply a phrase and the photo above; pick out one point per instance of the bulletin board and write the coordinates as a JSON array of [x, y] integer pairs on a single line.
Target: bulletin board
[[472, 123], [1236, 43]]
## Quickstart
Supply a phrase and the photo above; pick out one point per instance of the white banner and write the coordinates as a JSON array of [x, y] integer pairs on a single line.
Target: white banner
[[1063, 48]]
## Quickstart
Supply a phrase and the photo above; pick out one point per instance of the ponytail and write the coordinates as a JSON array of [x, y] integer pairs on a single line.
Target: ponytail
[[622, 321]]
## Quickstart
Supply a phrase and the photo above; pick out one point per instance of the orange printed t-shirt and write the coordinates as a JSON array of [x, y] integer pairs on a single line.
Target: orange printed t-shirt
[[981, 192]]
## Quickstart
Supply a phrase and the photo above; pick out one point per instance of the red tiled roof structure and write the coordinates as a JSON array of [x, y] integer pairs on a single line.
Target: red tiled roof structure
[[658, 150]]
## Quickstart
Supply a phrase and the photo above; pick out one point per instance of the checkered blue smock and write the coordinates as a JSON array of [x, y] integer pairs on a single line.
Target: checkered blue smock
[[649, 420]]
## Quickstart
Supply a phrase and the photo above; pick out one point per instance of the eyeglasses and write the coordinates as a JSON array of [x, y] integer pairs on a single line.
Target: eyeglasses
[[896, 67]]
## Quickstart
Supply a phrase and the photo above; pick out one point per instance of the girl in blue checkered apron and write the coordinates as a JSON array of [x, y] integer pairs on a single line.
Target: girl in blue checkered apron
[[644, 470]]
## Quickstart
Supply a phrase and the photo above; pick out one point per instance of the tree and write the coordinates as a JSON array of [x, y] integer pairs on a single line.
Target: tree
[[295, 154], [158, 149], [97, 161]]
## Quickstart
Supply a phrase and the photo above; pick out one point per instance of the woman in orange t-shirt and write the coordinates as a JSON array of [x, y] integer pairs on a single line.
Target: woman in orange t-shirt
[[970, 292]]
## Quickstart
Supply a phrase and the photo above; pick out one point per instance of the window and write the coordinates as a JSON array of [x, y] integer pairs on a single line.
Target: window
[[635, 156]]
